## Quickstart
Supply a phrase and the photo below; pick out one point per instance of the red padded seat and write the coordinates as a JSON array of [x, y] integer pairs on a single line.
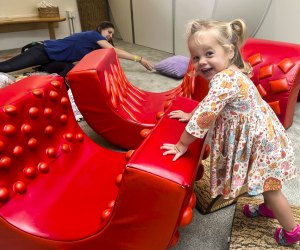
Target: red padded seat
[[60, 190], [53, 168]]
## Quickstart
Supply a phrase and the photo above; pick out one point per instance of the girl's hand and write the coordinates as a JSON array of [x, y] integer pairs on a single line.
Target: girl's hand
[[147, 64], [180, 115], [174, 149]]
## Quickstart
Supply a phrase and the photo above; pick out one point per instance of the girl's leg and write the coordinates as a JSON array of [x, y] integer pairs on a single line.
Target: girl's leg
[[281, 209], [289, 233], [31, 57], [276, 206]]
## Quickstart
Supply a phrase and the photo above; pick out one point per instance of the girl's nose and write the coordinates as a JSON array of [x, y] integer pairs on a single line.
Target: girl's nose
[[202, 61]]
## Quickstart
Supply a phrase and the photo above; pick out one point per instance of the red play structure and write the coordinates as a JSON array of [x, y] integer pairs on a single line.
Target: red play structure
[[115, 108], [276, 67], [60, 190], [112, 106], [119, 111]]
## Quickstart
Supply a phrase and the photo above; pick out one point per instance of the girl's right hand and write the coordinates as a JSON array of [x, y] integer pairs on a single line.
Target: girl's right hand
[[174, 149], [180, 115]]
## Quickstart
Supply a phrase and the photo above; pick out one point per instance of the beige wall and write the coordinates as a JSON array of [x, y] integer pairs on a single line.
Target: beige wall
[[153, 24], [191, 11], [27, 8], [281, 22], [120, 14]]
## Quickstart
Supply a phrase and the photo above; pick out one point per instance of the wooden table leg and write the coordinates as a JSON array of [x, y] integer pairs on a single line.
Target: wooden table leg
[[51, 30]]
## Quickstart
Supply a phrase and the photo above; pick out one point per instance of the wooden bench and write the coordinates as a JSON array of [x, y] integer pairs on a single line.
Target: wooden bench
[[17, 23]]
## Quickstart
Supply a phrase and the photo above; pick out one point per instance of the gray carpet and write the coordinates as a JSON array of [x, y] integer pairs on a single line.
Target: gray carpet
[[211, 231]]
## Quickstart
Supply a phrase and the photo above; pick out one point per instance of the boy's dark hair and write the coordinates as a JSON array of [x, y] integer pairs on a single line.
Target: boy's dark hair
[[105, 25]]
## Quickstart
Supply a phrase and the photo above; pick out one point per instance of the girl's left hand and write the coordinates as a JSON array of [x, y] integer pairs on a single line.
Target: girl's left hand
[[176, 149], [147, 64], [180, 115]]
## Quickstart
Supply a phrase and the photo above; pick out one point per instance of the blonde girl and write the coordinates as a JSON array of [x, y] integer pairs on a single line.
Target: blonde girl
[[249, 146]]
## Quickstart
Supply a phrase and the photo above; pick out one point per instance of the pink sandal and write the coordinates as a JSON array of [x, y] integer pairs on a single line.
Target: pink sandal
[[285, 238], [252, 211]]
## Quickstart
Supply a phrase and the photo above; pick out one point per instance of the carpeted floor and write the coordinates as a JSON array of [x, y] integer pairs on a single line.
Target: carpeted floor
[[210, 231], [205, 204], [256, 233]]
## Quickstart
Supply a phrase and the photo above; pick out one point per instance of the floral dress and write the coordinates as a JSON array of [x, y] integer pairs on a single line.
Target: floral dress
[[249, 145]]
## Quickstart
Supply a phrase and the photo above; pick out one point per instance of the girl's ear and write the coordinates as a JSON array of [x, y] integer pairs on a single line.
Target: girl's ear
[[231, 52]]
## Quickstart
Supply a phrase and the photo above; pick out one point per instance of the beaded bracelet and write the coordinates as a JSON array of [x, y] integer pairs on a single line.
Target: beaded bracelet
[[136, 58]]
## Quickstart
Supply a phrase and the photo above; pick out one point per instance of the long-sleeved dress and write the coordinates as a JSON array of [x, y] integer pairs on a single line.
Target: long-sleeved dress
[[249, 145]]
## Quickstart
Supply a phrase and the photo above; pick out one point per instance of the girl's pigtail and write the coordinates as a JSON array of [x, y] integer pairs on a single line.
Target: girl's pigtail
[[239, 36], [238, 26]]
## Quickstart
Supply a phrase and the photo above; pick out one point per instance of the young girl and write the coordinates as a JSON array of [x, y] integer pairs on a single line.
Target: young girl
[[249, 146]]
